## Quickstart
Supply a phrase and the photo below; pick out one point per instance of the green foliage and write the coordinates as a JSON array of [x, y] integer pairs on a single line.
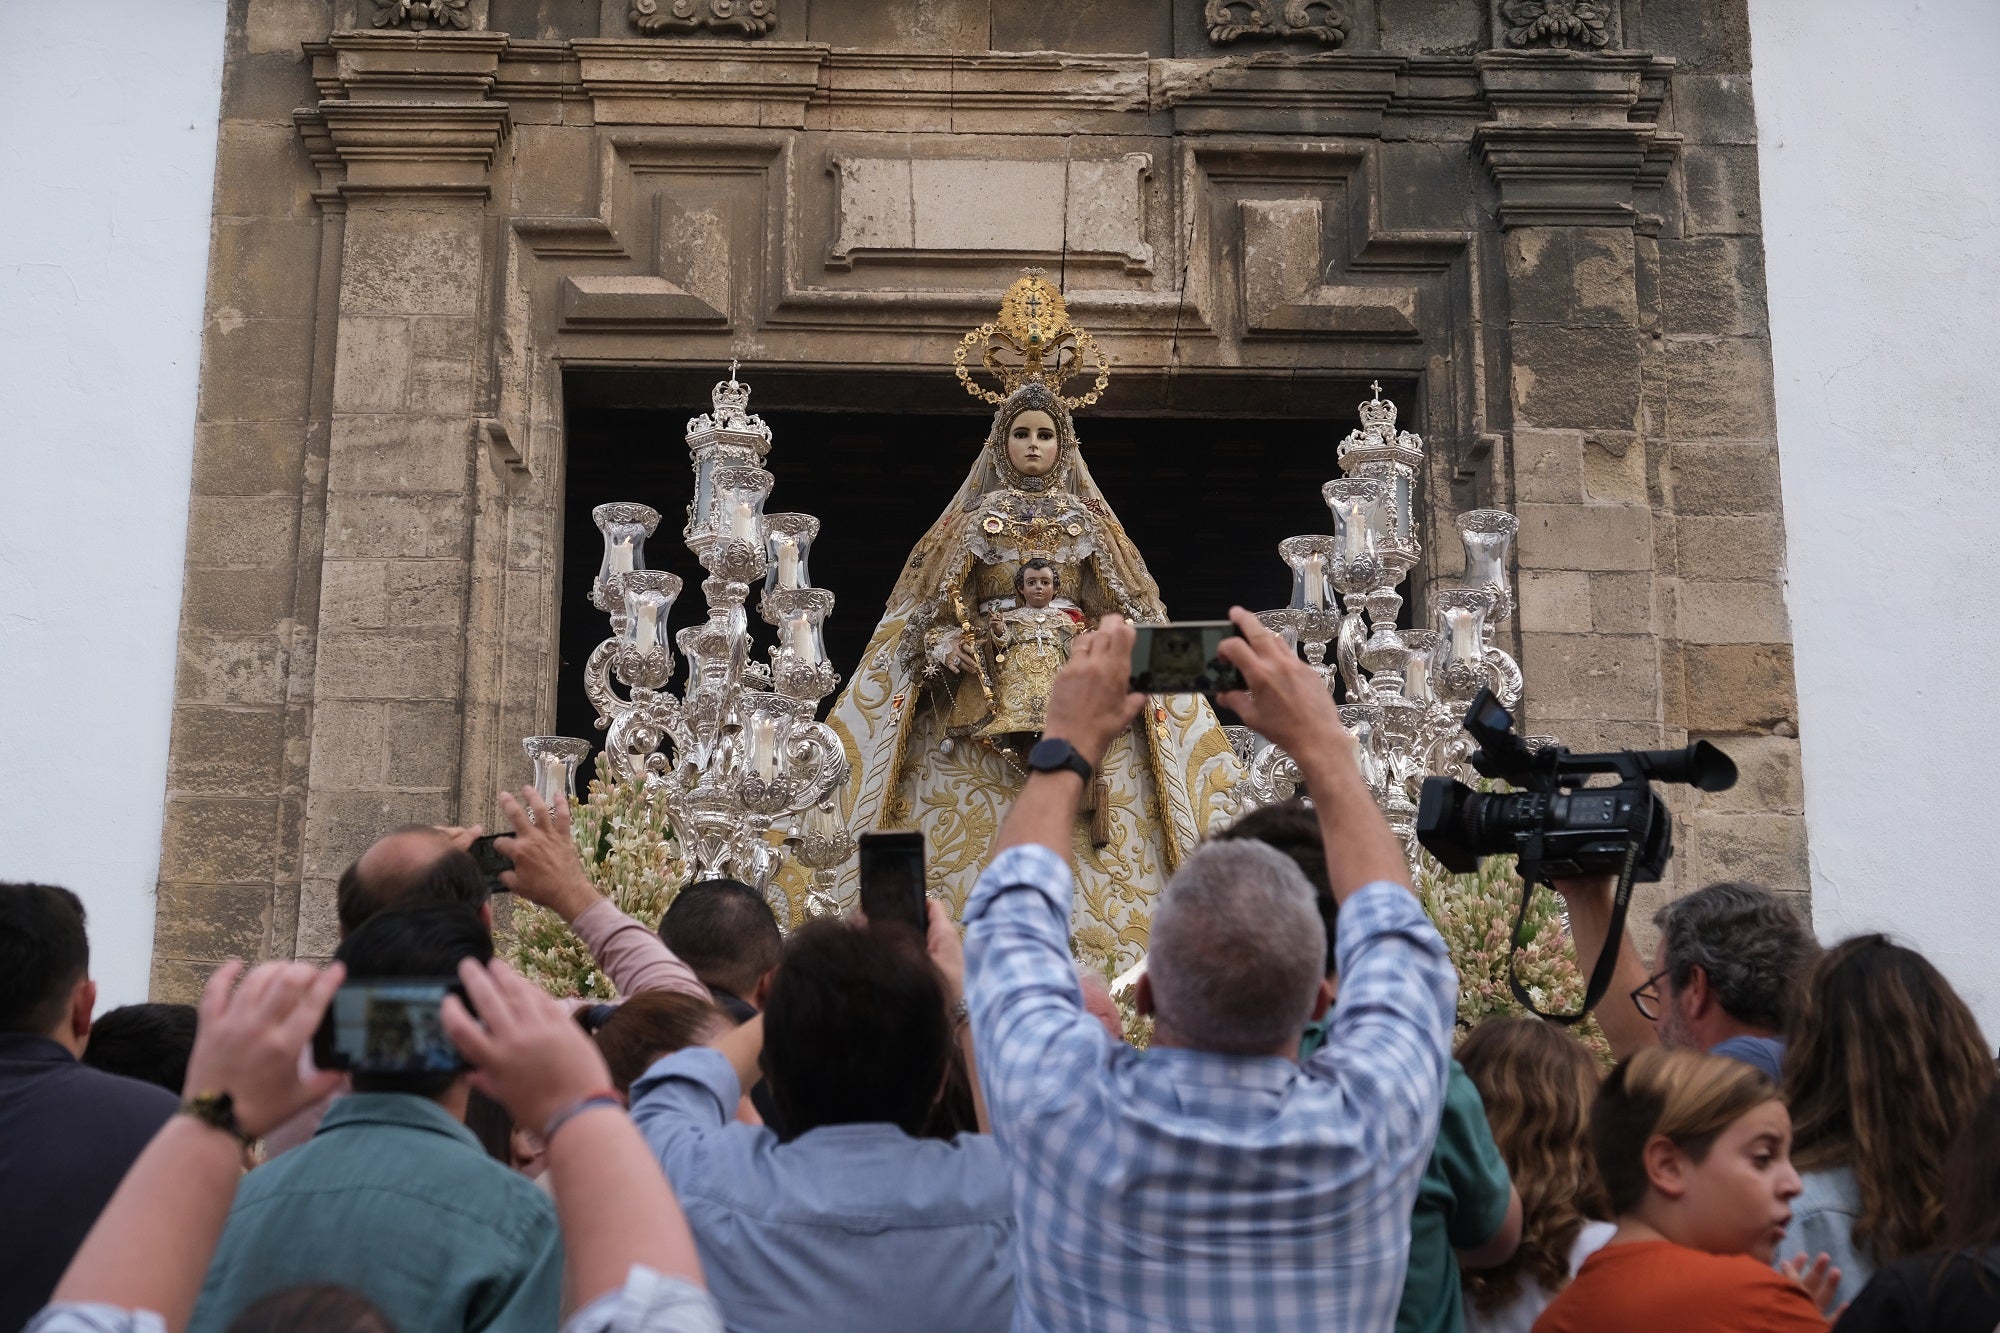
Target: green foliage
[[632, 856]]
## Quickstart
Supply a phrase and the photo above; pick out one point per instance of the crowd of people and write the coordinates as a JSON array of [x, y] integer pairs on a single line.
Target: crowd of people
[[860, 1126]]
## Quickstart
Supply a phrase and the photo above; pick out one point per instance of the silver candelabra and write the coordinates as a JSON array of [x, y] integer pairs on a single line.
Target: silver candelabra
[[1407, 689], [745, 774]]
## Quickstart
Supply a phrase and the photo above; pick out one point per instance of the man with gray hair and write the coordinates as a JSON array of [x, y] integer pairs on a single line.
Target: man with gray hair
[[1731, 958], [1211, 1181]]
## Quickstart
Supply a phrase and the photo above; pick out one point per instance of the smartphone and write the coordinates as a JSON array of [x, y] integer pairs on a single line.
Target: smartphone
[[892, 878], [1183, 658], [491, 860], [389, 1025]]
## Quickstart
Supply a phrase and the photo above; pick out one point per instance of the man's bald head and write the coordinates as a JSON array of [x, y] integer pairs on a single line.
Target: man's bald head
[[412, 866]]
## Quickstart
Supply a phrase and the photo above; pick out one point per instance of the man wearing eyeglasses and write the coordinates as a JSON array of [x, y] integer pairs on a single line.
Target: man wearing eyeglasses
[[1730, 961]]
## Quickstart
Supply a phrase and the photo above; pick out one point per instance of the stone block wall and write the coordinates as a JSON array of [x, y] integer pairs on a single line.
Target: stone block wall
[[415, 231]]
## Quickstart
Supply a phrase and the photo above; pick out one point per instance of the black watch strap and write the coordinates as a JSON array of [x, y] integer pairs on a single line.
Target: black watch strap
[[1053, 754], [217, 1109]]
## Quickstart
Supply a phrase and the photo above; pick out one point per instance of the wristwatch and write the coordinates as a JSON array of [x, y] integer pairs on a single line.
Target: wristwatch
[[218, 1110], [1053, 754]]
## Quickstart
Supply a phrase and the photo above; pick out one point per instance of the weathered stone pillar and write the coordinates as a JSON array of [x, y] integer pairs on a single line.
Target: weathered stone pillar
[[1628, 447], [416, 136]]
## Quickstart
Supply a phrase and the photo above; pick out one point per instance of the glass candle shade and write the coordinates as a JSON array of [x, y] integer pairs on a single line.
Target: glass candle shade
[[1417, 666], [645, 656], [1356, 506], [1488, 535], [555, 759], [737, 512], [762, 747], [1311, 559], [788, 540], [1458, 661], [625, 527], [800, 633]]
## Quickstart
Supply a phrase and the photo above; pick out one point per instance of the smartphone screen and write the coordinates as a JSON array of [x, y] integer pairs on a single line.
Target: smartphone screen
[[892, 878], [388, 1025], [1183, 658]]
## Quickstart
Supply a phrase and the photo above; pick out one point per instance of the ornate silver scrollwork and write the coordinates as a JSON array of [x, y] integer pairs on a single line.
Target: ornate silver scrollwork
[[743, 772], [1406, 689]]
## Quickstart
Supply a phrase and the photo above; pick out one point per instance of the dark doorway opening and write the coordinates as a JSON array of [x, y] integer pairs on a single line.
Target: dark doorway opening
[[1206, 499]]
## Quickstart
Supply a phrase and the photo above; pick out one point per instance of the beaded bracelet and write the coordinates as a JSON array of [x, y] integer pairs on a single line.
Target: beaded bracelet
[[577, 1108]]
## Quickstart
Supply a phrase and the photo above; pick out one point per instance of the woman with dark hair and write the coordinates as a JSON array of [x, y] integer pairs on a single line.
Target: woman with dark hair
[[1885, 1065], [1537, 1084], [1956, 1287], [1692, 1150]]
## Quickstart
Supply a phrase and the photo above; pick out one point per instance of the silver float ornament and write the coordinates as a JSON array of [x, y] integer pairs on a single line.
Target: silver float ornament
[[744, 774], [1406, 689]]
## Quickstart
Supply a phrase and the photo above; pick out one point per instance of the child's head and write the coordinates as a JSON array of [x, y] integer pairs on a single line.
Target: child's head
[[1699, 1148], [1035, 581], [1537, 1083]]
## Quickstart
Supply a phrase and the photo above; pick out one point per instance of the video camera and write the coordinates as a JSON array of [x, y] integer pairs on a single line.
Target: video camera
[[1557, 826]]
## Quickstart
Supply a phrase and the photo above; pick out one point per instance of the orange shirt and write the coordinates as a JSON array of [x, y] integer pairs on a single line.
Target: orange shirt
[[1655, 1286]]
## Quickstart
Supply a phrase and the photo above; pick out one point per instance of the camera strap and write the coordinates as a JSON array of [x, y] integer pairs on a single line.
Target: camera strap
[[1607, 957]]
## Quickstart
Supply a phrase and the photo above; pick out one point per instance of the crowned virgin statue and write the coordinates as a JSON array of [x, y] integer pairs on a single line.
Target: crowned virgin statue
[[949, 694]]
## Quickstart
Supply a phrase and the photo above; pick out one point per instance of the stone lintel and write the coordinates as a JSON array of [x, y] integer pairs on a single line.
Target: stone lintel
[[1566, 176], [1340, 93]]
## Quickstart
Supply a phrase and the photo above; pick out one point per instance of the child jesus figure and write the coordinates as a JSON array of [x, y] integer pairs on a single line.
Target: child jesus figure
[[1029, 642]]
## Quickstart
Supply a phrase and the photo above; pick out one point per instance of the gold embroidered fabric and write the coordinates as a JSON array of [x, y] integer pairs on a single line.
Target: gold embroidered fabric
[[925, 741]]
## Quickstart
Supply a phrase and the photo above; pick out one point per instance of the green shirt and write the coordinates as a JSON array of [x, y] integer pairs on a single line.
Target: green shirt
[[396, 1200], [1461, 1204]]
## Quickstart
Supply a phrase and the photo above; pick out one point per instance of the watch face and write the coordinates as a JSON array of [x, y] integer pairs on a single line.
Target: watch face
[[1049, 754]]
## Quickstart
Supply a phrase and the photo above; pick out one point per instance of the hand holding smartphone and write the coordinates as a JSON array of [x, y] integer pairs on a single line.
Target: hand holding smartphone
[[1182, 657], [389, 1025], [892, 878], [492, 861]]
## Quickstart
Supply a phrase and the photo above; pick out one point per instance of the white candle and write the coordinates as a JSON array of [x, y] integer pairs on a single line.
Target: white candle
[[1356, 544], [1316, 581], [1465, 645], [764, 748], [788, 559], [743, 522], [799, 638], [1417, 678], [619, 555], [646, 630]]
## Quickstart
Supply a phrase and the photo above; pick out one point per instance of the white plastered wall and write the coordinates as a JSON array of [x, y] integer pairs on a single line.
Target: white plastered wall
[[1880, 153], [107, 147]]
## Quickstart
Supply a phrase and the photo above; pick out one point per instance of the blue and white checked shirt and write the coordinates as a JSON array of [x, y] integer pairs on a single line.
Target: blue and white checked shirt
[[1178, 1189]]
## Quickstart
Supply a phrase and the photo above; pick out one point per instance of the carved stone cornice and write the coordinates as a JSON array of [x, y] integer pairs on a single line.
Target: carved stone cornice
[[405, 113], [735, 18], [1342, 93], [638, 82], [1572, 140]]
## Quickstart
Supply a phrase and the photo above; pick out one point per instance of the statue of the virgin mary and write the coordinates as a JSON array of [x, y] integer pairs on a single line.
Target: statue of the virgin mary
[[948, 695]]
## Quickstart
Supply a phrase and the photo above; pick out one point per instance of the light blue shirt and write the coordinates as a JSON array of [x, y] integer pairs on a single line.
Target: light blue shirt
[[857, 1227], [1823, 1218], [1178, 1189]]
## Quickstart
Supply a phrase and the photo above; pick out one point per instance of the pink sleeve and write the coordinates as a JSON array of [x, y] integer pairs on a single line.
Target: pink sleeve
[[631, 955]]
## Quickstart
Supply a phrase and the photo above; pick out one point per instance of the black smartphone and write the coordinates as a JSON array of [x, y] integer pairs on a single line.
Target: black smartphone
[[1183, 658], [389, 1025], [892, 878], [491, 860]]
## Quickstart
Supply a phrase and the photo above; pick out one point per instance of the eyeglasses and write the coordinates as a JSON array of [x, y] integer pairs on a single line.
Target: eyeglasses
[[1646, 998]]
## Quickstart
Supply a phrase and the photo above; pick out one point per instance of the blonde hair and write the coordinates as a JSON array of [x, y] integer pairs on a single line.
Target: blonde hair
[[1686, 1096], [1537, 1084]]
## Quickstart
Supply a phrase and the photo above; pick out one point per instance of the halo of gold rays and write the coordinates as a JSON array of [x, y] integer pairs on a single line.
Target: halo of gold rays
[[1033, 326]]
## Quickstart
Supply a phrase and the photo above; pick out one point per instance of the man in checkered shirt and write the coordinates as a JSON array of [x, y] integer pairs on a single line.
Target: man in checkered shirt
[[1211, 1182]]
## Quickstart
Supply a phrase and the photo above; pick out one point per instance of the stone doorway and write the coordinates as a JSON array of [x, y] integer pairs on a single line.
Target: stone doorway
[[1206, 497]]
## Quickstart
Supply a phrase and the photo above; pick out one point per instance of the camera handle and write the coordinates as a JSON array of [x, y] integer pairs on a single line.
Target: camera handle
[[1607, 957]]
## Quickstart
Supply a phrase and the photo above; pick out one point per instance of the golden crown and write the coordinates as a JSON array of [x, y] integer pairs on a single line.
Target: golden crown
[[1032, 339]]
